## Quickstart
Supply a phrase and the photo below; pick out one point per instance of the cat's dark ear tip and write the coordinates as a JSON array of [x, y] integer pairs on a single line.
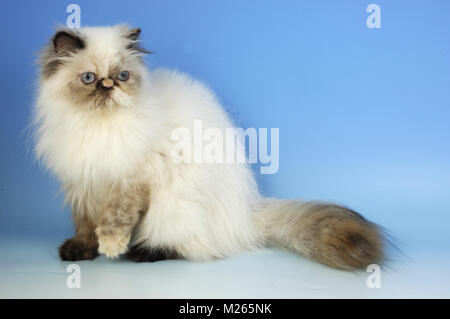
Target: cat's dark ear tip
[[134, 33], [58, 34], [65, 40]]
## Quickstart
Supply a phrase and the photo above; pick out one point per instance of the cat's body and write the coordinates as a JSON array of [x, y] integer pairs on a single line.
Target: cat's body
[[110, 142]]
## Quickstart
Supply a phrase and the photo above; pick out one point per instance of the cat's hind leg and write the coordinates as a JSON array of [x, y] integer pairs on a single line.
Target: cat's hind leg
[[144, 254]]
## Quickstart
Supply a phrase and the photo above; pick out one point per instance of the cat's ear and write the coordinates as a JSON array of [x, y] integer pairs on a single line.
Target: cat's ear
[[134, 34], [67, 41]]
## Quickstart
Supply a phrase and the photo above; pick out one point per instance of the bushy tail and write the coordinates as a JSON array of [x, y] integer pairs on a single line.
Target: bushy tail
[[327, 233]]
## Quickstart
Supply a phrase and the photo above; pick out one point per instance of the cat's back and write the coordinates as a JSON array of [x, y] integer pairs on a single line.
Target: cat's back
[[175, 84]]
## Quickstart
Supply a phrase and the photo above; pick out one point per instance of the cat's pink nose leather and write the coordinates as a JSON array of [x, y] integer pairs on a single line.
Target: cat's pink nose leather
[[107, 83]]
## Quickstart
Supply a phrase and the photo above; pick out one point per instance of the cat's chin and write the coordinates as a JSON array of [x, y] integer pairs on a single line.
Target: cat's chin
[[105, 102]]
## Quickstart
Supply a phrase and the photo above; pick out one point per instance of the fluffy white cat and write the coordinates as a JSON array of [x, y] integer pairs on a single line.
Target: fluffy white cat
[[104, 126]]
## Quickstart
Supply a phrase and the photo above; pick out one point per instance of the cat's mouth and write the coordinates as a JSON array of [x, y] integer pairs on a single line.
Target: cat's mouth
[[106, 94], [103, 98]]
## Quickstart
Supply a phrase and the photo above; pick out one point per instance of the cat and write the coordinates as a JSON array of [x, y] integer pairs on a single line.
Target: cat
[[103, 125]]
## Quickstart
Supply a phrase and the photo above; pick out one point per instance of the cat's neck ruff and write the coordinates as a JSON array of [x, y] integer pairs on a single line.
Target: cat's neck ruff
[[92, 147]]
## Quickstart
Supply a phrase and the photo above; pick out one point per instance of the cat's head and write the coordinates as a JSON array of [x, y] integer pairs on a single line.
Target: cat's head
[[94, 67]]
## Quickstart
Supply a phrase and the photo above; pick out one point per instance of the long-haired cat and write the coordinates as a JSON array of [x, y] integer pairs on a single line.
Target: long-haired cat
[[104, 125]]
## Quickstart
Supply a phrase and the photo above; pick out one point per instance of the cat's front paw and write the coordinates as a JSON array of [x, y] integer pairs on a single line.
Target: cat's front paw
[[75, 249], [112, 245]]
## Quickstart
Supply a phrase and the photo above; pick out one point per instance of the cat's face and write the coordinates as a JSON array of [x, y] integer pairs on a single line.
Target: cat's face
[[94, 68]]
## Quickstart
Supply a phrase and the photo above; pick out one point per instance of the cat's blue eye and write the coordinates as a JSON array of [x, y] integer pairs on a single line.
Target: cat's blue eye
[[123, 76], [88, 77]]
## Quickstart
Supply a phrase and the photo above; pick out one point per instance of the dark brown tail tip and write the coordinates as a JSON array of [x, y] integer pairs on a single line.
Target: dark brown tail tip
[[351, 242]]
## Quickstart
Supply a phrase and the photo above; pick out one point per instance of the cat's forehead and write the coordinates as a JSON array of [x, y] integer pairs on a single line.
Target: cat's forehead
[[103, 64], [106, 48], [105, 42]]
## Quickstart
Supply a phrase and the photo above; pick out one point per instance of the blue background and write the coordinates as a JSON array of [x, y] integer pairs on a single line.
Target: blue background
[[363, 113]]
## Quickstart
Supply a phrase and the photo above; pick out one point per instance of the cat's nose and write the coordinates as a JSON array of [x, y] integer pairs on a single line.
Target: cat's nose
[[106, 84]]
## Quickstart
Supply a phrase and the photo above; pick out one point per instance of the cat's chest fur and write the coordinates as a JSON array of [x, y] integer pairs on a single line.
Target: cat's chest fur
[[89, 150]]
